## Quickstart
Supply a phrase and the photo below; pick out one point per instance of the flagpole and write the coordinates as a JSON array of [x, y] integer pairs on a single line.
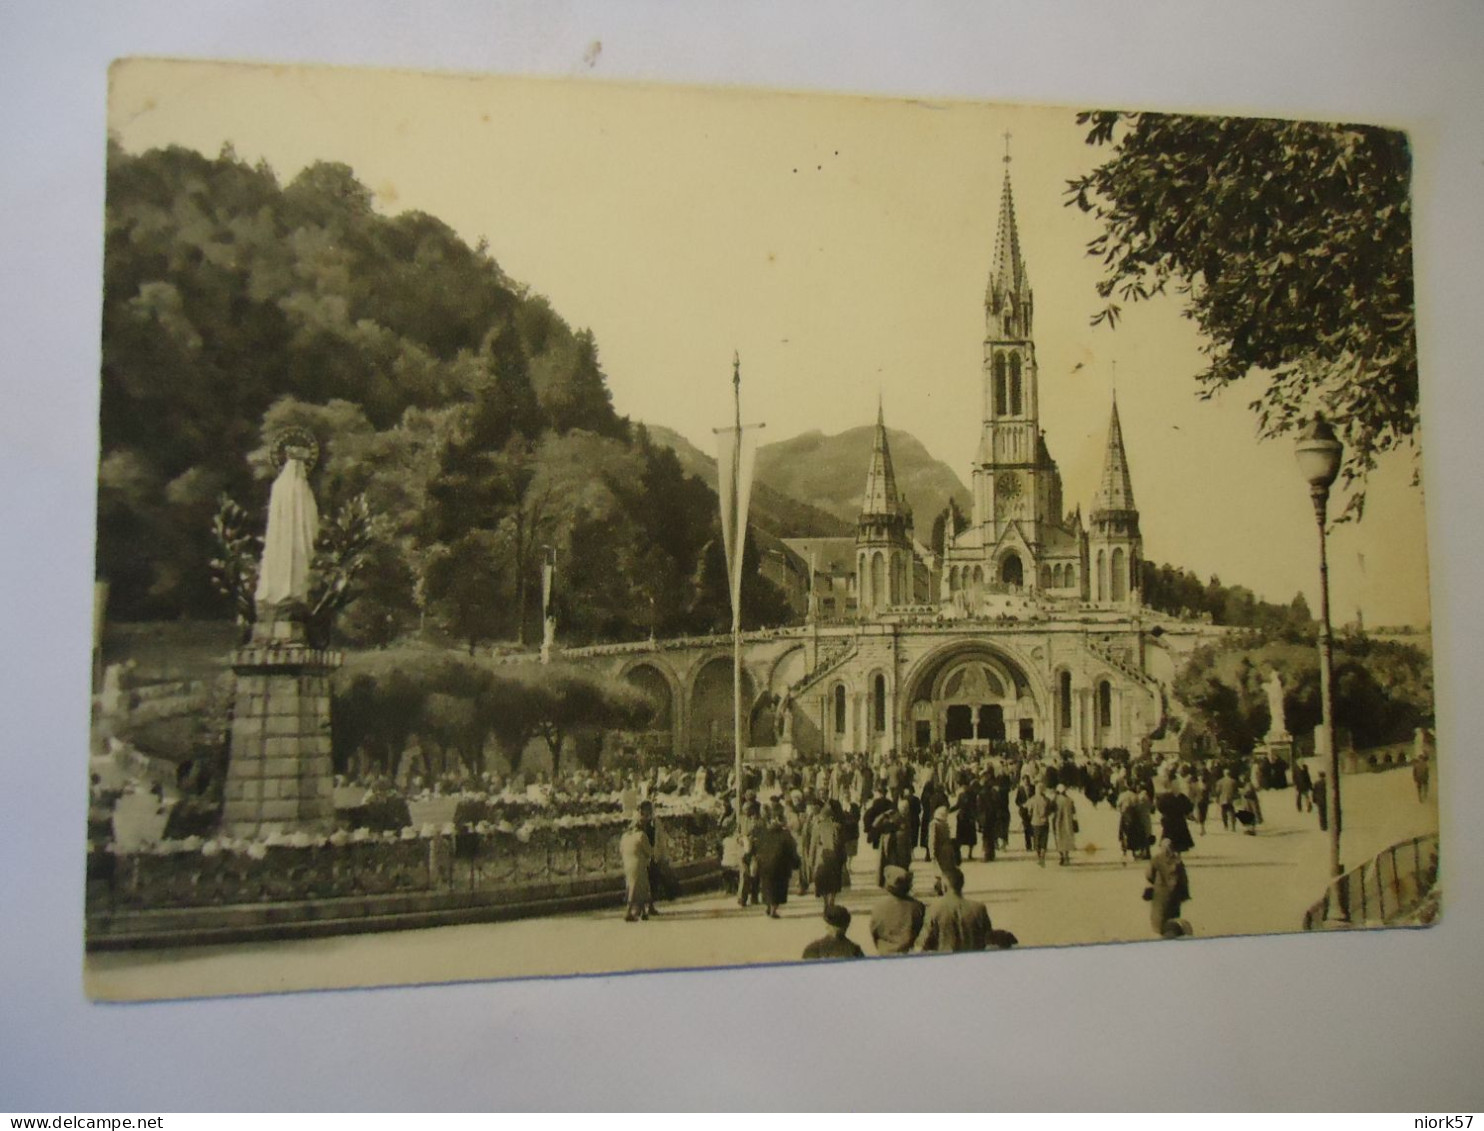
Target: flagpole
[[737, 604]]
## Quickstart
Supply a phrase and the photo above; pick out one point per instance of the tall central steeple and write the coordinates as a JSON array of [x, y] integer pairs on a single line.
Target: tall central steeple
[[1007, 298], [1007, 469]]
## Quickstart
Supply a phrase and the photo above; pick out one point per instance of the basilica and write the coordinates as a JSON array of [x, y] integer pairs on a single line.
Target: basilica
[[1028, 626]]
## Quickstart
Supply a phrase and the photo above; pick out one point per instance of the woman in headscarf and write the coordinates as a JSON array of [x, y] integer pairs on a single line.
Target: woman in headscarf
[[1169, 886], [635, 851], [829, 851]]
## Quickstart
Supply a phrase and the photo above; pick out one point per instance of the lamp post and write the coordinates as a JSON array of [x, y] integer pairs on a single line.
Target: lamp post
[[1318, 451]]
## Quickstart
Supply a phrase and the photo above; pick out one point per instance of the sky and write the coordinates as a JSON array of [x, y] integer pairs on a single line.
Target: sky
[[841, 245]]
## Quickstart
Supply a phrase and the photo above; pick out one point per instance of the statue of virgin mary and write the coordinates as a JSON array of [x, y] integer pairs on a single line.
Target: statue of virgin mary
[[293, 524]]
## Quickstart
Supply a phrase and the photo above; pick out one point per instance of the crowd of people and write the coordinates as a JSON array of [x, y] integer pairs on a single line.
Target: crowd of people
[[802, 825]]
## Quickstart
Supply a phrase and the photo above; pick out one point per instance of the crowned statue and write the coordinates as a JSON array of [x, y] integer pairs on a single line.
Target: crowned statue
[[1278, 728], [293, 525]]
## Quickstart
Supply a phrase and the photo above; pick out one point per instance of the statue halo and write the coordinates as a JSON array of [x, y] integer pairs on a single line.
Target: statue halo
[[295, 443]]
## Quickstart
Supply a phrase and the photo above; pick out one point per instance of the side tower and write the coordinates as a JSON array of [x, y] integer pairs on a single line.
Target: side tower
[[1115, 547], [883, 535]]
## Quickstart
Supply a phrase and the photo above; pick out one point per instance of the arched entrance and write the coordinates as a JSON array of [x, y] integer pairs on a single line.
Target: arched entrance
[[1012, 572], [710, 729], [658, 739], [971, 693]]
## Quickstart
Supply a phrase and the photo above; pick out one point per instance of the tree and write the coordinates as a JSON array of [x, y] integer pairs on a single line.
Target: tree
[[1292, 245]]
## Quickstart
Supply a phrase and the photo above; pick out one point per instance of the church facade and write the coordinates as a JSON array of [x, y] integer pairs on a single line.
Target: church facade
[[1030, 627]]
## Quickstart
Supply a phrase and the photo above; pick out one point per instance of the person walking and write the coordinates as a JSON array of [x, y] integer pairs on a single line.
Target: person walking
[[1321, 800], [1200, 797], [828, 846], [1023, 794], [1064, 825], [834, 944], [1421, 775], [1226, 797], [897, 918], [1303, 789], [777, 857], [989, 815], [942, 847], [1169, 887], [954, 923], [635, 853], [1038, 812], [1174, 825]]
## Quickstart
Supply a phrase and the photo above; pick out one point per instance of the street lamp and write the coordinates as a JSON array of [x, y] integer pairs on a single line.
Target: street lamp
[[1318, 451]]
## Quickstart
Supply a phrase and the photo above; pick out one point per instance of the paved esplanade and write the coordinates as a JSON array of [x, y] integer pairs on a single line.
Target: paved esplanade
[[1240, 885]]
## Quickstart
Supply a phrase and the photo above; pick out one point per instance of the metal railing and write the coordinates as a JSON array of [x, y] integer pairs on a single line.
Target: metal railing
[[1387, 887]]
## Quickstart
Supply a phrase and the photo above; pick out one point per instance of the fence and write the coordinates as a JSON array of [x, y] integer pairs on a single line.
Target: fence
[[1389, 886], [390, 864]]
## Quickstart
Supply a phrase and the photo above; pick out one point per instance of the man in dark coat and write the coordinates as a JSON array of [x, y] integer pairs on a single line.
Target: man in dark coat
[[880, 804], [989, 815], [896, 918], [834, 944], [777, 857], [932, 796], [956, 923]]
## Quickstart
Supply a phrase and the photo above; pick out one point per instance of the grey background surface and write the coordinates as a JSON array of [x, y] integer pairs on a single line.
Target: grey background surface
[[1383, 1020]]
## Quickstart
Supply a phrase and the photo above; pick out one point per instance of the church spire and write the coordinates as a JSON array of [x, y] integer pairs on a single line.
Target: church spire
[[1116, 490], [881, 480], [1007, 299]]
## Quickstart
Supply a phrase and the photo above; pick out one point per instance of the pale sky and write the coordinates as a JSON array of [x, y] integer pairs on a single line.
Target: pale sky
[[842, 245]]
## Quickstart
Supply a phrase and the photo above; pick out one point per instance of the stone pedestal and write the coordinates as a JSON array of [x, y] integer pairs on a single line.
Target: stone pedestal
[[279, 778], [1280, 748]]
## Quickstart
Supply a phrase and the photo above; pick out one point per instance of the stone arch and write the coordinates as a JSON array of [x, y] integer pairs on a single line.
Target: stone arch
[[1047, 580], [786, 670], [711, 706], [1117, 576], [978, 575], [1011, 569], [1105, 705], [953, 585], [1019, 677], [659, 684], [1015, 402], [1001, 398], [899, 593], [839, 710], [1102, 594]]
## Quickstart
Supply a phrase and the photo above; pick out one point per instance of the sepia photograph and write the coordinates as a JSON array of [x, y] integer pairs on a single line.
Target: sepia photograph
[[552, 527]]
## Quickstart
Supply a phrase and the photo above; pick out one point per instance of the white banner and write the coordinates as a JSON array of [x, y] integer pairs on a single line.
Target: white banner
[[734, 487]]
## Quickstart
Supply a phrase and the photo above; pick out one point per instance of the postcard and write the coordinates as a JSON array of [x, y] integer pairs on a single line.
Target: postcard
[[564, 527]]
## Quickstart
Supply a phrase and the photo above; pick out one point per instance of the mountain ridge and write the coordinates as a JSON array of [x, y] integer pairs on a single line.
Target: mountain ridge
[[810, 485]]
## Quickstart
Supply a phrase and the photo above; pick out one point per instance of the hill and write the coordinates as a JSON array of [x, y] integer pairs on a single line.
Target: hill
[[810, 485], [772, 511], [829, 472]]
